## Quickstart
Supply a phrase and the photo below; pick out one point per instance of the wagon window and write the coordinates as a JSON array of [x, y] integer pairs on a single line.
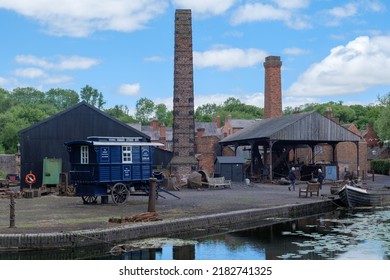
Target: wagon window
[[126, 154], [84, 158]]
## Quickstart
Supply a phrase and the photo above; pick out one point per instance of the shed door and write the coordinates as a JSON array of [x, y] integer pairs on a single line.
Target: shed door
[[237, 172], [52, 167]]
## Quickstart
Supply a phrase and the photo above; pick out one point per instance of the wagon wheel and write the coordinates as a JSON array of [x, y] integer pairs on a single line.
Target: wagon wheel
[[89, 199], [119, 193]]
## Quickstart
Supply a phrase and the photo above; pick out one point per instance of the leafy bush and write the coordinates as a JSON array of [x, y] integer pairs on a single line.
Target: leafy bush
[[381, 166]]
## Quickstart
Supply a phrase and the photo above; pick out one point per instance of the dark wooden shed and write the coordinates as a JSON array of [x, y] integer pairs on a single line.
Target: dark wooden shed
[[232, 168], [46, 139]]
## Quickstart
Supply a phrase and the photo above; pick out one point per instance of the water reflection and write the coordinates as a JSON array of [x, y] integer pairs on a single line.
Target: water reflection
[[358, 234]]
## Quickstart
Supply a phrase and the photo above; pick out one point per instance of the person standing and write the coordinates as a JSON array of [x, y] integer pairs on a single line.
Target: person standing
[[320, 177], [292, 177]]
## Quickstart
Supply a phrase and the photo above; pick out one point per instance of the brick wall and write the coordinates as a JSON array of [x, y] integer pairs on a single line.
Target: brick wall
[[9, 164], [207, 147], [371, 137]]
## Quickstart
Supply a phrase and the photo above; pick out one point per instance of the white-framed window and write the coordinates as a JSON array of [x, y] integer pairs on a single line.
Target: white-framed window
[[84, 157], [126, 154]]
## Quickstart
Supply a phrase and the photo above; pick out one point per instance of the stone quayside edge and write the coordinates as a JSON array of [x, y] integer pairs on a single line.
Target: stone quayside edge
[[153, 229]]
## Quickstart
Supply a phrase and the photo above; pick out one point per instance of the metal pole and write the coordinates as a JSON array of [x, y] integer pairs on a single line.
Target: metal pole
[[152, 195], [12, 211]]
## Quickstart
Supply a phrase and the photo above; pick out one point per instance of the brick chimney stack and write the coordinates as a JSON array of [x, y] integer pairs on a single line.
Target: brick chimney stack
[[183, 129], [218, 121], [163, 132], [201, 131], [272, 87], [154, 124]]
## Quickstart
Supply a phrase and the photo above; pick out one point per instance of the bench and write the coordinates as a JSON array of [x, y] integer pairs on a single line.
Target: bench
[[310, 188], [219, 181]]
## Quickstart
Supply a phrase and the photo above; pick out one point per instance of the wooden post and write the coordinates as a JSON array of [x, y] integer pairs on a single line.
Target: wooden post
[[152, 195], [12, 211]]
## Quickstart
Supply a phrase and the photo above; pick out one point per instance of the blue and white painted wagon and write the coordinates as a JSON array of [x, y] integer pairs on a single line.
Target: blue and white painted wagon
[[116, 166]]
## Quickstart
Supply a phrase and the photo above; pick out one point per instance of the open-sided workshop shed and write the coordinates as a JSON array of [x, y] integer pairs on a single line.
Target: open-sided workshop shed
[[272, 139], [46, 138], [232, 168]]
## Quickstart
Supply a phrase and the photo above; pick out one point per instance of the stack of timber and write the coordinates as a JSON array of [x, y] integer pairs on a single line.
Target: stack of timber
[[6, 193], [143, 217]]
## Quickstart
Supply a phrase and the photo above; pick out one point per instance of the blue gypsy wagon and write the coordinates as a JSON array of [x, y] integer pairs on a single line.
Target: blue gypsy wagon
[[116, 166]]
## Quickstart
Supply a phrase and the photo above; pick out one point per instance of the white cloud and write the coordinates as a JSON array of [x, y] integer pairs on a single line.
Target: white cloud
[[47, 70], [83, 17], [154, 59], [296, 102], [130, 89], [29, 73], [347, 10], [3, 81], [349, 69], [294, 51], [285, 12], [33, 60], [351, 10], [58, 63], [292, 4], [373, 5], [205, 7], [228, 58], [76, 62], [57, 79], [259, 12]]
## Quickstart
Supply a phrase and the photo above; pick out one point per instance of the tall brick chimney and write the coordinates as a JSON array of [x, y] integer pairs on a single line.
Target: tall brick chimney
[[272, 87], [183, 161], [154, 124], [218, 121]]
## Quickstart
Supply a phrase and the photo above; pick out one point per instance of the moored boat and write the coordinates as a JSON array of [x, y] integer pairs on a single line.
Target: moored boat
[[352, 196]]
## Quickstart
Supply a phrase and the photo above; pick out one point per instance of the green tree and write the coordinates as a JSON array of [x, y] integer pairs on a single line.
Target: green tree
[[27, 96], [144, 110], [382, 124], [121, 112], [92, 96], [206, 112], [17, 118], [62, 98], [5, 101], [163, 115]]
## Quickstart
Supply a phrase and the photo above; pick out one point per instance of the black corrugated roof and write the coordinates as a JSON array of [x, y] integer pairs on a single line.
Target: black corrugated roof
[[312, 125], [86, 104]]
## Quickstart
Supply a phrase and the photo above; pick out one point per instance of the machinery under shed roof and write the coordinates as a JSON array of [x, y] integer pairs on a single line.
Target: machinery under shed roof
[[309, 127]]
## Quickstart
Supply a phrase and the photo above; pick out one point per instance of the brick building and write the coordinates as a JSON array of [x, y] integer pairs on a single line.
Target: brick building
[[231, 126]]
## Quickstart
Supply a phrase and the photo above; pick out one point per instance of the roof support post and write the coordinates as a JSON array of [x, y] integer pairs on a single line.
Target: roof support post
[[252, 158], [235, 149], [334, 156], [357, 158], [313, 155], [271, 172]]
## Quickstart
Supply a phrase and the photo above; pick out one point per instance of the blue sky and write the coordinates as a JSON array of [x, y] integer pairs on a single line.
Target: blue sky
[[331, 50]]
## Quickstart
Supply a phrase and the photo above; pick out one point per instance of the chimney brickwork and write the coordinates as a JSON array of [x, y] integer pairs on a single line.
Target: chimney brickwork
[[183, 160], [272, 87]]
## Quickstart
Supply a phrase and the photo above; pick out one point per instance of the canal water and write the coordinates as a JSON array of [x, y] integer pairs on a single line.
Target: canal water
[[358, 234]]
